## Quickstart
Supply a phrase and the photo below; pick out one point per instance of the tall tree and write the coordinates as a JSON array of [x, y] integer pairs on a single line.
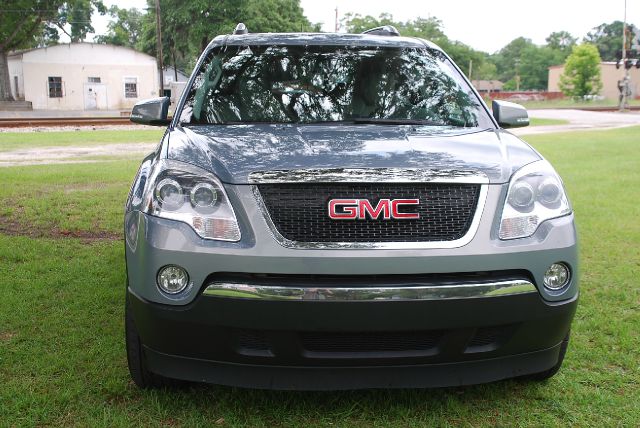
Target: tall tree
[[534, 66], [74, 18], [27, 23], [430, 29], [188, 27], [561, 41], [427, 28], [264, 16], [124, 27], [582, 72], [20, 23], [509, 60], [608, 39]]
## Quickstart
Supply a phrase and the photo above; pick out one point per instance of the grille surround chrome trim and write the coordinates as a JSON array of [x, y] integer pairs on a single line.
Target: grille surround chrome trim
[[464, 240], [368, 175], [428, 292]]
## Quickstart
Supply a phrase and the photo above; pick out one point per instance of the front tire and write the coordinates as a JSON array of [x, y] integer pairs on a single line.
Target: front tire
[[140, 373]]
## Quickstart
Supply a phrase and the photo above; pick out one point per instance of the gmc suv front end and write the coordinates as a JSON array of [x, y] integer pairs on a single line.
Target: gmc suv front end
[[338, 211]]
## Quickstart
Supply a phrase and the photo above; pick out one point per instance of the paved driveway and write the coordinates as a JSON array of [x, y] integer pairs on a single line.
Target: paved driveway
[[579, 120]]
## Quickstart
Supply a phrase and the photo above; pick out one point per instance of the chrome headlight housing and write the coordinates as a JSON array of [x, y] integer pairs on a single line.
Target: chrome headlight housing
[[183, 192], [535, 194]]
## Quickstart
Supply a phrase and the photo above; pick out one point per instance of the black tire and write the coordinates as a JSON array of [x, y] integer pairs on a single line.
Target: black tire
[[140, 373], [547, 374]]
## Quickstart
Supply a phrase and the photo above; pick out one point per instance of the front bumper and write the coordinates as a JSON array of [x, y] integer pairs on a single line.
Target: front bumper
[[313, 345]]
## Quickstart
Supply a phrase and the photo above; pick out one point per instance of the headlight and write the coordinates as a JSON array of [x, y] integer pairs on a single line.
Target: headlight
[[535, 194], [183, 192]]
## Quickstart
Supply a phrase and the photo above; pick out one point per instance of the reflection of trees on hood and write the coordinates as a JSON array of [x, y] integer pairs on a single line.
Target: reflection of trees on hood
[[233, 150], [301, 84]]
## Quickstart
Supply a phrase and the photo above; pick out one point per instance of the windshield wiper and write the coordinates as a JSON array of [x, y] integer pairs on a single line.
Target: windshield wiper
[[378, 121]]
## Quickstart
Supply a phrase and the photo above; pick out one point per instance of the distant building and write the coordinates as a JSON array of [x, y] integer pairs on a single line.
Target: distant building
[[170, 74], [173, 88], [485, 86], [610, 76], [83, 76]]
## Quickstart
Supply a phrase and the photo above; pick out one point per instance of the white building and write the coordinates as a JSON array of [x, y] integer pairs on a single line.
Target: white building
[[83, 76]]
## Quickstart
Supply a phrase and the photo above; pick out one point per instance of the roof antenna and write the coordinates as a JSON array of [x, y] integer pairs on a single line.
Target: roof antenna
[[385, 30], [240, 29]]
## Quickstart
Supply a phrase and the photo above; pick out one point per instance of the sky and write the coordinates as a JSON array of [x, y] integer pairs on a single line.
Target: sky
[[486, 25]]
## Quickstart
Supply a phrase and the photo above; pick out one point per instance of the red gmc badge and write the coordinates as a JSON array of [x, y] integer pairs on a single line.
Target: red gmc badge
[[362, 209]]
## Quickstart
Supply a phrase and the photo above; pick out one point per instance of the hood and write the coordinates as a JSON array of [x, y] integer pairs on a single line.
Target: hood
[[233, 152]]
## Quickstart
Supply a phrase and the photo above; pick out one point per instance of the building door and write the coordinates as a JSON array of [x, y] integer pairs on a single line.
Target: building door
[[15, 84], [95, 96]]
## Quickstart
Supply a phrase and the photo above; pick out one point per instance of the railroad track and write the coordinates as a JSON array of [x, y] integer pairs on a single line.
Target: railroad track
[[63, 121]]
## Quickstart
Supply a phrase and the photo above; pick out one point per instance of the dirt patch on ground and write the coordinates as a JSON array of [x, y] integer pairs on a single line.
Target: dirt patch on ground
[[11, 227], [5, 336], [72, 154], [89, 187]]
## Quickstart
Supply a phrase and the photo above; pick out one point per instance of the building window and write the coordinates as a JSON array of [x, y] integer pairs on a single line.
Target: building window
[[55, 87], [94, 80], [131, 87]]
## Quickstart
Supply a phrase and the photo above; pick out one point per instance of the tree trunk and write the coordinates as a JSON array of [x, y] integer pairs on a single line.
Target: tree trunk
[[175, 68], [5, 80]]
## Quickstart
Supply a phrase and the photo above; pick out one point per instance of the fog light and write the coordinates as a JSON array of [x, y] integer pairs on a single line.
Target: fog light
[[172, 279], [556, 277]]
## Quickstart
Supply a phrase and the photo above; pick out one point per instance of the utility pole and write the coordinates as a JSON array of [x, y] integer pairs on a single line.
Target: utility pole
[[470, 68], [624, 102], [517, 74], [337, 26], [159, 56]]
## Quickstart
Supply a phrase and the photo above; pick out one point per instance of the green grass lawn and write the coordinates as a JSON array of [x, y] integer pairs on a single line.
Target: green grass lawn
[[62, 356], [19, 140], [537, 121]]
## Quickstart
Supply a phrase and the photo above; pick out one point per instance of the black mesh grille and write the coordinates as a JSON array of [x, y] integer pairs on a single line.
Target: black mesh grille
[[370, 342], [253, 342], [489, 338], [300, 211]]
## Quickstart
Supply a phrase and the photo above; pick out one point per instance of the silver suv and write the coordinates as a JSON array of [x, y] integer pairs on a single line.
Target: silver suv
[[340, 211]]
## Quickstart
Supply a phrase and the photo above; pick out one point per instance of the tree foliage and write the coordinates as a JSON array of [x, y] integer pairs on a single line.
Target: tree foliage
[[74, 19], [582, 72], [608, 39], [188, 27], [124, 28], [30, 23], [524, 60], [561, 41], [430, 29]]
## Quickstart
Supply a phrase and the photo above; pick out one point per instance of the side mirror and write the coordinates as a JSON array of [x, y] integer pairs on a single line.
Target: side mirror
[[154, 112], [510, 115]]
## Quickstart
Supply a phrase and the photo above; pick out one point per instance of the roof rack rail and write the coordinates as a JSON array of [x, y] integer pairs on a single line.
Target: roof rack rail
[[240, 29], [385, 30]]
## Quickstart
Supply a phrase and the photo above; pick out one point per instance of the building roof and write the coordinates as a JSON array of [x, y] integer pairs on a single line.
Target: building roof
[[601, 63], [71, 46]]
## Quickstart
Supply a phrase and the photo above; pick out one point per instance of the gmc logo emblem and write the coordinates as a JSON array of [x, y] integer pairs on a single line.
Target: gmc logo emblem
[[361, 209]]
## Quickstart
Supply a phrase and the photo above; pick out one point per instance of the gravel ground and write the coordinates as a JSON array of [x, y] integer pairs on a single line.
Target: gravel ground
[[579, 120]]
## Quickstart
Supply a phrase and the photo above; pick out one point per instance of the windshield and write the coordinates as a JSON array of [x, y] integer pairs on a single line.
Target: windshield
[[311, 84]]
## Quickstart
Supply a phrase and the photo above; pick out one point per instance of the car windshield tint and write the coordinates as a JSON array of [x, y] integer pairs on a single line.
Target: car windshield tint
[[311, 84]]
